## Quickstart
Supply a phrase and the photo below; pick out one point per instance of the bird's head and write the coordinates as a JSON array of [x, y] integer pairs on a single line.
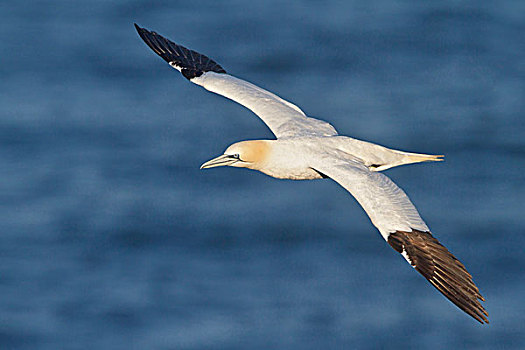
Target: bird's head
[[245, 154]]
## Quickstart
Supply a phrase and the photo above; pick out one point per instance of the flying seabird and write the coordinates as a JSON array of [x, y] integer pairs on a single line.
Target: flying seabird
[[307, 148]]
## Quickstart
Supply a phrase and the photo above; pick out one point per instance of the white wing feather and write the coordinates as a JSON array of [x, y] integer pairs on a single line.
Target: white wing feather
[[282, 117], [387, 205]]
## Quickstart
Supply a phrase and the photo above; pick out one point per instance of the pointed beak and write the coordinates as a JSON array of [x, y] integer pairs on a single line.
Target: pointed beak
[[223, 160]]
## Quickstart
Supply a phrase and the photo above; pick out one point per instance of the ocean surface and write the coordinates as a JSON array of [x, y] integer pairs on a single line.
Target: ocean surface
[[112, 238]]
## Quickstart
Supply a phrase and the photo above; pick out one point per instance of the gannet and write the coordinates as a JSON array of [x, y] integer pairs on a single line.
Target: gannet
[[307, 148]]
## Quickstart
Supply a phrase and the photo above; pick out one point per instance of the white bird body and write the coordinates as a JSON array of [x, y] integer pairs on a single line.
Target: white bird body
[[307, 158], [284, 153], [307, 148]]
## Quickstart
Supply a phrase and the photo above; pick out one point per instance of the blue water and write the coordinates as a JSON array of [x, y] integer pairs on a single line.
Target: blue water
[[112, 238]]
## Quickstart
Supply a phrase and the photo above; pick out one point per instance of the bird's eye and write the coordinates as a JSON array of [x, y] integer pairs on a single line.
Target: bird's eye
[[236, 156]]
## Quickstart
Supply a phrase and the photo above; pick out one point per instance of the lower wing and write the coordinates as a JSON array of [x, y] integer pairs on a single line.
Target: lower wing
[[398, 221]]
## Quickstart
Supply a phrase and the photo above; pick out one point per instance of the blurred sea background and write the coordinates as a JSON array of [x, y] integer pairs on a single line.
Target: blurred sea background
[[112, 238]]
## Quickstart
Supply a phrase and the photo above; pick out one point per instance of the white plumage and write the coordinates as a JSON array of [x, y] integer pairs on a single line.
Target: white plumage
[[282, 117], [309, 148]]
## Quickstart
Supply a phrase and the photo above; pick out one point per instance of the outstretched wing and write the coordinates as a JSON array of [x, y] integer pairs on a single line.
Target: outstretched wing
[[282, 117], [399, 223]]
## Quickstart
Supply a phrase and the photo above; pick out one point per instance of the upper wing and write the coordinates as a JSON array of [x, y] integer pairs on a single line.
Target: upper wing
[[282, 117], [397, 219]]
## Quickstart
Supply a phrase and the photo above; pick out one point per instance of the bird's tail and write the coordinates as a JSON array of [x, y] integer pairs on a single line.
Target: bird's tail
[[418, 157], [403, 158]]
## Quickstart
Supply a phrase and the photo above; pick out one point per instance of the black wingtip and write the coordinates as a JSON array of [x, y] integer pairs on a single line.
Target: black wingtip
[[446, 273], [137, 28], [191, 63]]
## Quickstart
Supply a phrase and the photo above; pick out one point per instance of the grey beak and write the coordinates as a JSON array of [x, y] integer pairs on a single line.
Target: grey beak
[[223, 160]]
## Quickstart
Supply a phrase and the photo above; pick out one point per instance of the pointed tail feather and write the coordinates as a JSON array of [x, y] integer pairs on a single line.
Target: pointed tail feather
[[418, 158], [408, 158]]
